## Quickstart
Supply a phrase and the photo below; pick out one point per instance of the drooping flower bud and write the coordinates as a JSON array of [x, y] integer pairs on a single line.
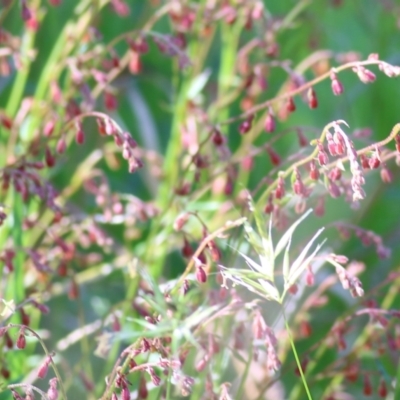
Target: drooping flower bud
[[312, 98], [273, 156], [269, 123], [290, 105], [337, 87], [246, 125]]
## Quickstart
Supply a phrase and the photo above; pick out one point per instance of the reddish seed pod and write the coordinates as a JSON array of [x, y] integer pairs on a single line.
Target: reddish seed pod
[[49, 158], [323, 158], [269, 124], [374, 161], [25, 320], [280, 189], [351, 372], [6, 121], [314, 171], [43, 369], [61, 145], [135, 63], [110, 101], [73, 291], [293, 289], [21, 341], [143, 391], [201, 275], [312, 98], [269, 207], [290, 105], [8, 341], [303, 142], [187, 250], [79, 135], [274, 157], [217, 138], [246, 125], [5, 373], [382, 389], [49, 128], [305, 329], [335, 174], [367, 389], [364, 161]]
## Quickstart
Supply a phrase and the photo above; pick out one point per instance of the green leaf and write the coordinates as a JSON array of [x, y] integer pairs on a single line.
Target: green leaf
[[301, 261], [289, 233]]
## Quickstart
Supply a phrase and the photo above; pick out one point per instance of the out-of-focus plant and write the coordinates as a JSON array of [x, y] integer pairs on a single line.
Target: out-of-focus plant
[[132, 136]]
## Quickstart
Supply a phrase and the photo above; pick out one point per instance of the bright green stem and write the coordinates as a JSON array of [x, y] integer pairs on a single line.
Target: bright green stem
[[229, 43], [303, 378]]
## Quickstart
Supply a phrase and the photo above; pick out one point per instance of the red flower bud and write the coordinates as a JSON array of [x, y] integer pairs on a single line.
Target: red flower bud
[[21, 341], [201, 275], [312, 98], [49, 158], [290, 105], [274, 157], [246, 125]]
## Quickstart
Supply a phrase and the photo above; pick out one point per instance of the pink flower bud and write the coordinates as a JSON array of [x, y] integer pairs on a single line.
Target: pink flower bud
[[365, 75], [337, 87], [43, 369], [269, 124], [314, 172], [52, 393], [386, 175], [49, 128], [201, 275], [61, 145]]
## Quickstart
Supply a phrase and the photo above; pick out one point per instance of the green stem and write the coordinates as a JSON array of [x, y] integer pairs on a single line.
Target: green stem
[[303, 378], [48, 354]]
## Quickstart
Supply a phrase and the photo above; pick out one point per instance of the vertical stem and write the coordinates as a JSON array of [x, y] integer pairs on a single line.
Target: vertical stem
[[303, 378]]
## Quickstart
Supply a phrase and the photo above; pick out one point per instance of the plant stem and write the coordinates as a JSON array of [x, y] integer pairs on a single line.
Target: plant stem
[[296, 356]]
